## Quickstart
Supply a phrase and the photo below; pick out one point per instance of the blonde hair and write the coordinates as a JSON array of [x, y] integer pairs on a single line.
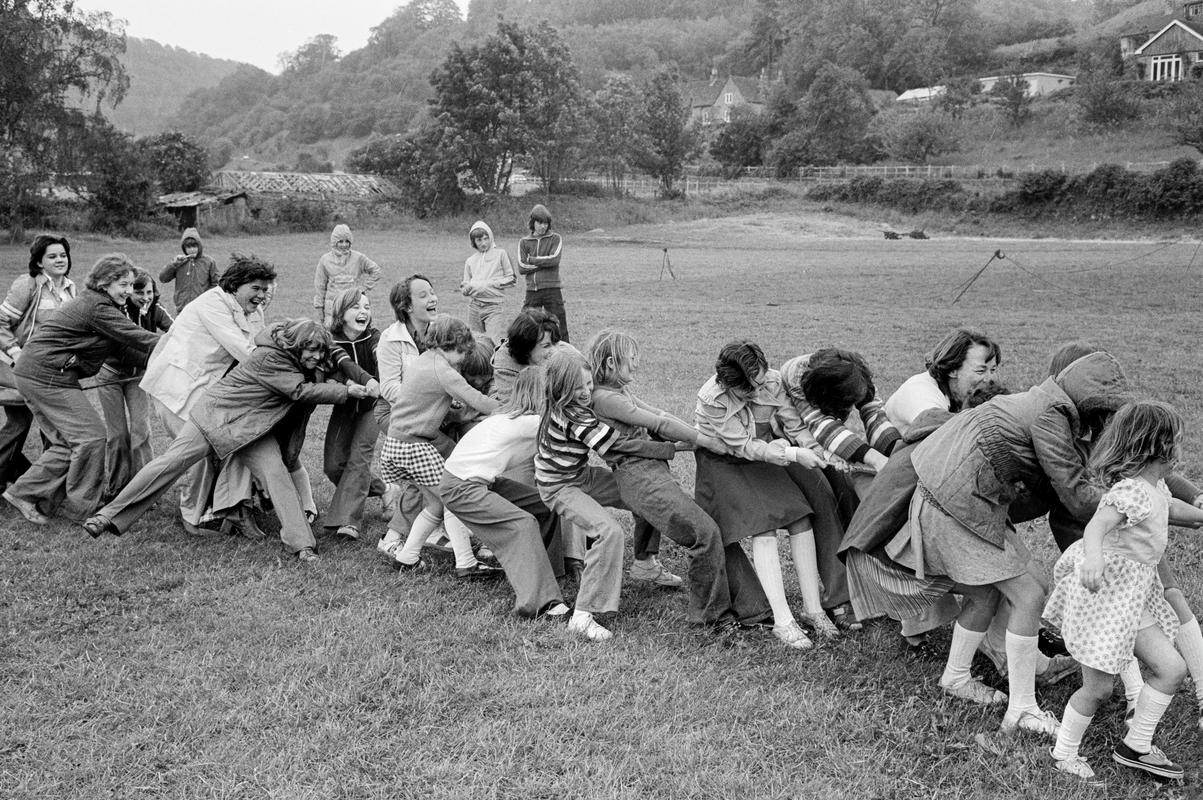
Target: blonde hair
[[1140, 433], [564, 378], [609, 344], [529, 395]]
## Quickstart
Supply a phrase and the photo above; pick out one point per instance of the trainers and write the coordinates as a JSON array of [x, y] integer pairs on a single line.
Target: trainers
[[347, 532], [478, 571], [823, 625], [556, 611], [652, 571], [845, 619], [307, 555], [28, 510], [389, 542], [1058, 669], [97, 526], [1153, 762], [1075, 766], [388, 500], [421, 565], [975, 691], [793, 636], [1032, 720], [583, 624]]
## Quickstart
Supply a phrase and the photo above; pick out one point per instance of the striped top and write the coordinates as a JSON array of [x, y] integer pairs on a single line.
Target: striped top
[[564, 445]]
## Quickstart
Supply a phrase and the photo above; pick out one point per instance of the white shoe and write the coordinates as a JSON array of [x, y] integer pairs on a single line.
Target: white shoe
[[822, 624], [793, 636], [652, 571], [975, 691], [389, 543], [1076, 766], [1032, 720], [583, 624]]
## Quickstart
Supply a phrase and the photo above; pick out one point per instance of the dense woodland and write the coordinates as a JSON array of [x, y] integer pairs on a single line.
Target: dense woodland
[[384, 88]]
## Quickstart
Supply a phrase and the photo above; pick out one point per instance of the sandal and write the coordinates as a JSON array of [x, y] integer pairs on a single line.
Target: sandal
[[844, 619]]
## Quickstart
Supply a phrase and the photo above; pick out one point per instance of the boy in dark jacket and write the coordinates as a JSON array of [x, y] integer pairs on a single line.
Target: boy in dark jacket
[[193, 272]]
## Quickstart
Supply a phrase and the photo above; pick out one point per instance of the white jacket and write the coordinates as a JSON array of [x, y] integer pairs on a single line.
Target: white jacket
[[210, 334]]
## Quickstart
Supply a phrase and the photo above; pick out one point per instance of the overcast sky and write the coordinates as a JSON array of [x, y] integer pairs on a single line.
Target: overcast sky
[[254, 31]]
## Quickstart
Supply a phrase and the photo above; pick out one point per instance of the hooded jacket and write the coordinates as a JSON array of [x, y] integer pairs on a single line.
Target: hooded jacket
[[193, 275], [257, 394], [973, 466], [487, 274], [336, 272], [539, 256]]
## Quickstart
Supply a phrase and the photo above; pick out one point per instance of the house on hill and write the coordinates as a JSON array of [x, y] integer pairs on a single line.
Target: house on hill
[[1169, 47], [713, 101]]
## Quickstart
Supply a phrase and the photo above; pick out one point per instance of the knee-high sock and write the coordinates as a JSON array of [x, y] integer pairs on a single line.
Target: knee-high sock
[[1190, 644], [1069, 736], [1021, 672], [806, 563], [1132, 680], [768, 570], [1150, 706], [960, 655], [423, 525], [461, 541]]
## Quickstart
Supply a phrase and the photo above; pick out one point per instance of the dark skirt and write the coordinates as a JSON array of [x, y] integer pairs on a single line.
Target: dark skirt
[[746, 497]]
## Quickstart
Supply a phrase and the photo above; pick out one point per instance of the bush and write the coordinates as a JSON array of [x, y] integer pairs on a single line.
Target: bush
[[1110, 191], [1105, 102], [914, 136], [304, 215], [902, 193]]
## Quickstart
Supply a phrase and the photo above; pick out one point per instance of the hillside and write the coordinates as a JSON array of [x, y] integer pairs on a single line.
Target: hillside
[[161, 76]]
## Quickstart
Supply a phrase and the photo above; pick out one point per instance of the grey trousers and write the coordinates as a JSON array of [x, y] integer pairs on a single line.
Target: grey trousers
[[511, 519], [69, 477], [196, 483], [584, 505], [127, 421], [263, 458]]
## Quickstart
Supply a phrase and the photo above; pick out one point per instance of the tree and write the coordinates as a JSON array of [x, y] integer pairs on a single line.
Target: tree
[[615, 108], [915, 135], [51, 53], [1012, 92], [958, 95], [835, 113], [175, 162], [664, 138], [1186, 114], [122, 184], [426, 165], [516, 93], [1104, 101], [311, 57], [741, 142]]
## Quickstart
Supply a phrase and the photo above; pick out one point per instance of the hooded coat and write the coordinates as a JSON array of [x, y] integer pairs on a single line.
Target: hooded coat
[[192, 276], [976, 464], [336, 272], [487, 274]]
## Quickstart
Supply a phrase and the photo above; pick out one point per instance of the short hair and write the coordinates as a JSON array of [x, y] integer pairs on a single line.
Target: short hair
[[610, 344], [738, 363], [538, 214], [143, 278], [476, 232], [1067, 354], [950, 353], [37, 251], [449, 333], [529, 395], [477, 366], [835, 381], [297, 334], [343, 302], [1140, 432], [108, 269], [244, 269], [401, 295], [527, 329]]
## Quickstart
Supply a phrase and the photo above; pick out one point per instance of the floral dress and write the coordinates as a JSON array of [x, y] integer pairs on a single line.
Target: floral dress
[[1100, 627]]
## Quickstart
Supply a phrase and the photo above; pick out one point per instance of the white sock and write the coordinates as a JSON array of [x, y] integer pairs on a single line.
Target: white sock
[[1190, 644], [1021, 673], [423, 525], [768, 570], [960, 656], [806, 563], [461, 541], [1069, 737], [1132, 680], [1150, 706]]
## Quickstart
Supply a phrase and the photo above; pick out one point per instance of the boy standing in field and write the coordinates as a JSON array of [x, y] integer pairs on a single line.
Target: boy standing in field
[[486, 273], [194, 272], [539, 261]]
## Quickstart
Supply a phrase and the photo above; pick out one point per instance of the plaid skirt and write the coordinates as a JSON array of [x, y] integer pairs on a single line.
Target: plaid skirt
[[419, 462]]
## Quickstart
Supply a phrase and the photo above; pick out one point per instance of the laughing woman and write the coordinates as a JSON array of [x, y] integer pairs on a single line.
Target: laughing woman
[[69, 477]]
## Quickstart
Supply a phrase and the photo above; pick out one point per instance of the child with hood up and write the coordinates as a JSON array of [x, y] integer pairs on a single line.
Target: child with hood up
[[193, 272], [339, 270], [486, 273]]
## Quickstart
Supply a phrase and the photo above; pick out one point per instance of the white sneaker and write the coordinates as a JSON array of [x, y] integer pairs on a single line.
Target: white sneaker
[[1076, 766], [389, 543], [583, 624], [1032, 720], [793, 636], [652, 571]]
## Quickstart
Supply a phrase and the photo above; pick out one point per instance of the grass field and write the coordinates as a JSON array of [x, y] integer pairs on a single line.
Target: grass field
[[161, 665]]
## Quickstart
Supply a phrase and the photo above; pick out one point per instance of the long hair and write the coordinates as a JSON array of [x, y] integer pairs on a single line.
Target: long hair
[[610, 344], [529, 395], [37, 251], [344, 302], [1141, 432], [564, 380], [295, 335], [401, 296], [109, 269]]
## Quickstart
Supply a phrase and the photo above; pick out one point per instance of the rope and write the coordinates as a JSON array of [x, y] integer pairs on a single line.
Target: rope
[[998, 255]]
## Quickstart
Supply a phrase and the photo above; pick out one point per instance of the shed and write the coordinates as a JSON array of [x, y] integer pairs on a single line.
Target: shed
[[194, 209]]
